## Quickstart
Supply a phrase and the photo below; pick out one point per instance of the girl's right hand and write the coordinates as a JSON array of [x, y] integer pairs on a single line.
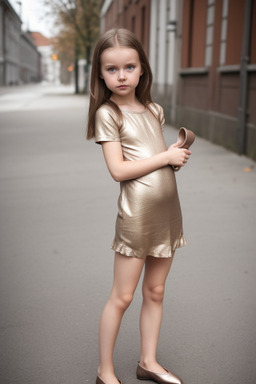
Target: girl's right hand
[[178, 156]]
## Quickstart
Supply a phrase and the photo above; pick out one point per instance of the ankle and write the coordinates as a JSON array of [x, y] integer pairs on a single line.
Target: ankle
[[107, 377], [152, 365], [146, 363], [105, 371]]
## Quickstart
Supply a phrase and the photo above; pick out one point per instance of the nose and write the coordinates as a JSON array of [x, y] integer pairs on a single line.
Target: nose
[[121, 75]]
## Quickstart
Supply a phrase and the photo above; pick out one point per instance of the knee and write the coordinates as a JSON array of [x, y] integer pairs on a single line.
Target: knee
[[122, 301], [155, 293]]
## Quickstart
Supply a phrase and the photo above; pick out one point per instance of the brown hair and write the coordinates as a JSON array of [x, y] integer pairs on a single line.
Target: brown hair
[[99, 93]]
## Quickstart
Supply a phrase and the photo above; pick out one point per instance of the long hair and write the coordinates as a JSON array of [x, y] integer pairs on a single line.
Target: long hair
[[99, 93]]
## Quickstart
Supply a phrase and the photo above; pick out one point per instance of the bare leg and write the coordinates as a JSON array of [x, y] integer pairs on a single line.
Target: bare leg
[[156, 272], [127, 271]]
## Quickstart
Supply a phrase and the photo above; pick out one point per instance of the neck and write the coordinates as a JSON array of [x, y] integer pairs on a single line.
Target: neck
[[129, 102]]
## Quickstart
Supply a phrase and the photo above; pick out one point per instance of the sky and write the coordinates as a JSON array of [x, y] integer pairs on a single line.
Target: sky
[[33, 16]]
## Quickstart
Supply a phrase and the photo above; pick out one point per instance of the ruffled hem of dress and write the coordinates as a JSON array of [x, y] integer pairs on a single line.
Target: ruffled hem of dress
[[161, 251]]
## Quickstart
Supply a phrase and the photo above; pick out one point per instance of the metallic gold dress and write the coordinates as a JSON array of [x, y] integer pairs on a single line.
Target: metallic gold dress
[[149, 220]]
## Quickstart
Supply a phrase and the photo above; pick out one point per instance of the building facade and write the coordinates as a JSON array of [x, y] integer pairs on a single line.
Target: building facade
[[203, 59], [163, 20], [19, 58], [30, 60], [133, 15], [50, 65], [10, 31], [216, 88]]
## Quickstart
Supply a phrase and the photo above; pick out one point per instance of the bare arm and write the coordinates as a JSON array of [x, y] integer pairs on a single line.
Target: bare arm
[[122, 170]]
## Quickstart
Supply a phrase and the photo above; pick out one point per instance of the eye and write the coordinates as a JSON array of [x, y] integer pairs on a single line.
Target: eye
[[130, 67], [111, 70]]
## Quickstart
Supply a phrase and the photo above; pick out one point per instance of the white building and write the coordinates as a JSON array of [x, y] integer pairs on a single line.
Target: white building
[[50, 65]]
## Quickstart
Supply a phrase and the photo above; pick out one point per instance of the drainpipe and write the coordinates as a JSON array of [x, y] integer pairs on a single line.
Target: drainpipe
[[243, 88]]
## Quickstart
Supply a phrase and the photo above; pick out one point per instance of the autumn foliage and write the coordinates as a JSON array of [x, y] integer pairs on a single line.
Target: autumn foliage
[[78, 26]]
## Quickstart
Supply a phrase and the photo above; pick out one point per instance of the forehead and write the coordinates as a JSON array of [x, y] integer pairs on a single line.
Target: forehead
[[119, 55]]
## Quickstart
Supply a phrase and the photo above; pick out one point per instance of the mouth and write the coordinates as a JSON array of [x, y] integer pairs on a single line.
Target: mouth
[[122, 86]]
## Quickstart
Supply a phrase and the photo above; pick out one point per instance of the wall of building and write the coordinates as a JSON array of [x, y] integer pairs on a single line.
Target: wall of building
[[1, 46], [30, 60], [48, 65], [162, 51], [132, 15], [19, 59], [195, 50], [209, 87], [11, 27]]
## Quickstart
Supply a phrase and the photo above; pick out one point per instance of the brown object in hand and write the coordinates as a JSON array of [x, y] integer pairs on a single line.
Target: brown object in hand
[[185, 139]]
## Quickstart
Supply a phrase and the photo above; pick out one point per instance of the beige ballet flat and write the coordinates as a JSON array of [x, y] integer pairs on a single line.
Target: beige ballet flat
[[100, 381], [185, 139], [168, 377]]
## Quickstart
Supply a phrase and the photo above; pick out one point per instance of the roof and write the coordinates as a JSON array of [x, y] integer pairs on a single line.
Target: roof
[[40, 40]]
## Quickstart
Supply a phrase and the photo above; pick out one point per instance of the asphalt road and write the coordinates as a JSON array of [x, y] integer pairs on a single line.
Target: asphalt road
[[58, 209]]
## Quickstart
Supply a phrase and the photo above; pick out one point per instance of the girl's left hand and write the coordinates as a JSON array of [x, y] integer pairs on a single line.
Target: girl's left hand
[[178, 156]]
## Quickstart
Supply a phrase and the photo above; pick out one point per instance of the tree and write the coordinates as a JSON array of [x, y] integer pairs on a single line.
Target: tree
[[78, 23]]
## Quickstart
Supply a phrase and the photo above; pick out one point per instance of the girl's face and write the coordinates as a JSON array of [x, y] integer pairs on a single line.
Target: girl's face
[[121, 71]]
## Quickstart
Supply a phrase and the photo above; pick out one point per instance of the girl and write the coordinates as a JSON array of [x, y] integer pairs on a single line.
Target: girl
[[123, 118]]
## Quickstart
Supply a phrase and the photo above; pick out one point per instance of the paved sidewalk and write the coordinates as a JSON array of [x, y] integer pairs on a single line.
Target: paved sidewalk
[[58, 207]]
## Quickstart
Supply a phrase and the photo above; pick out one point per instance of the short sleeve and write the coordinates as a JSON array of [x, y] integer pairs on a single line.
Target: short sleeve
[[158, 112], [106, 127]]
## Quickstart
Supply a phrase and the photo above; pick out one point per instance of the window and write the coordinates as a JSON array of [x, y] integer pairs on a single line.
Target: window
[[224, 28], [197, 32], [209, 32]]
